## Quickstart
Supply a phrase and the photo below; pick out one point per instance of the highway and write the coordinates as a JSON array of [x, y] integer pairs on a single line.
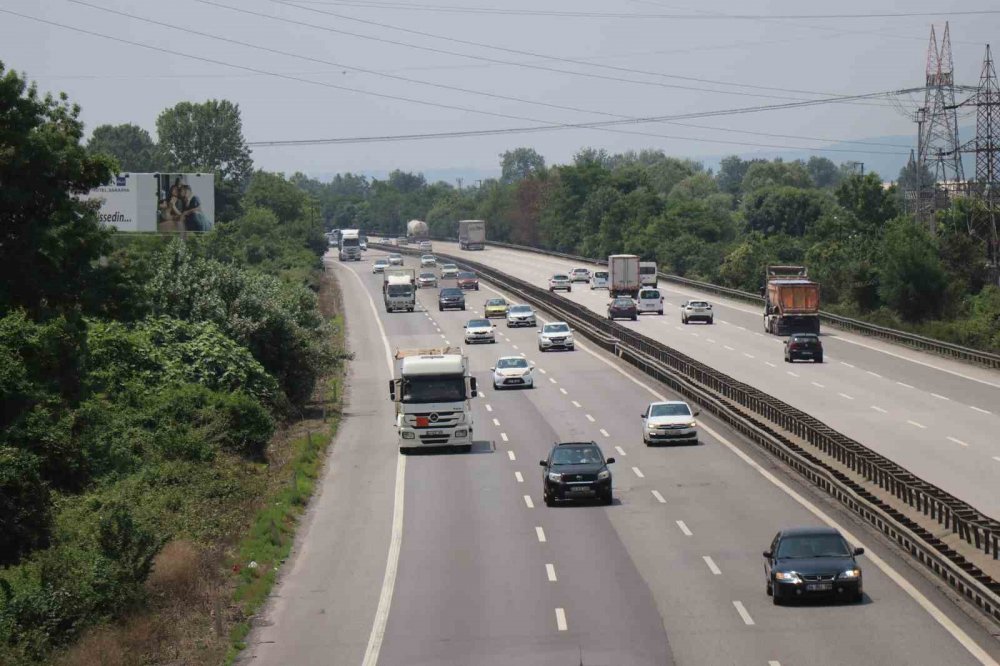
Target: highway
[[936, 417], [454, 558]]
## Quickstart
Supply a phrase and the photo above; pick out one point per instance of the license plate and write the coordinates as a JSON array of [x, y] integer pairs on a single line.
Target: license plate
[[819, 587], [435, 433], [580, 489], [806, 353]]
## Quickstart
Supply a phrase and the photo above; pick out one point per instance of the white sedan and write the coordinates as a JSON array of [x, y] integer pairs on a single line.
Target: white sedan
[[479, 330], [512, 371], [671, 421]]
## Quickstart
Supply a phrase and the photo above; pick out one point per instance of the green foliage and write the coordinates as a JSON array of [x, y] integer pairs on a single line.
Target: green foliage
[[130, 145], [51, 240], [206, 137], [24, 505], [912, 279], [763, 174], [870, 203], [520, 163], [783, 210]]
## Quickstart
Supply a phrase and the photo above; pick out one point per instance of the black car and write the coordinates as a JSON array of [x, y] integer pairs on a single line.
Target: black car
[[451, 298], [576, 470], [623, 307], [809, 562], [803, 346]]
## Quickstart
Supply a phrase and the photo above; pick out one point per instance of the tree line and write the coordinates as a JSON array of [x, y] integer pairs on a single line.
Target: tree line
[[852, 231], [141, 378]]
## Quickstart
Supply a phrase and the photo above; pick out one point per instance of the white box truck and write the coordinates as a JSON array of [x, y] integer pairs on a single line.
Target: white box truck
[[350, 245], [399, 289], [647, 273], [472, 234], [432, 391], [623, 275]]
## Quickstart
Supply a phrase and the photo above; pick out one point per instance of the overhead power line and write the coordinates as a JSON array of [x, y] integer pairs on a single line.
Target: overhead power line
[[636, 15], [610, 125], [521, 52]]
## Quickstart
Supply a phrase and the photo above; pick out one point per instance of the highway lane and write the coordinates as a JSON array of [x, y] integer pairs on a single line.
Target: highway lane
[[707, 488], [933, 416], [632, 581]]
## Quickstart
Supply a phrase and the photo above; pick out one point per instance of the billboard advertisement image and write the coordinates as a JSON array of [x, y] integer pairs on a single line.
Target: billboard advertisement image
[[158, 202]]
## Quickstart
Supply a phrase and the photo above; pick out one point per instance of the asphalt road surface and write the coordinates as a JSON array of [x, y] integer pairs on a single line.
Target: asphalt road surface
[[936, 417], [467, 566]]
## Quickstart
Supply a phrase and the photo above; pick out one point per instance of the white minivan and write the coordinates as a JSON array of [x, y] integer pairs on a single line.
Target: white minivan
[[599, 280], [649, 300], [647, 273]]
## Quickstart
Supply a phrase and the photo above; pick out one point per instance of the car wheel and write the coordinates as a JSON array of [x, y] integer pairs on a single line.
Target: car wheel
[[819, 359], [440, 309], [541, 349], [711, 321], [571, 347], [684, 320], [463, 308], [549, 500], [767, 589], [776, 598], [858, 597], [635, 317], [659, 312], [608, 499]]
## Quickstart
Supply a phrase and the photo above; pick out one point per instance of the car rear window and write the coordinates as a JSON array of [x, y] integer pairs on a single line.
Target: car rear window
[[622, 302], [560, 277], [451, 291], [649, 293], [698, 304], [466, 275], [601, 274]]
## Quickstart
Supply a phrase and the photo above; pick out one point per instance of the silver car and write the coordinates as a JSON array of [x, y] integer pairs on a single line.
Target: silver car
[[579, 275], [449, 271], [380, 265], [557, 335], [428, 261], [697, 311], [395, 259], [671, 421], [427, 280], [560, 281], [520, 315], [479, 330]]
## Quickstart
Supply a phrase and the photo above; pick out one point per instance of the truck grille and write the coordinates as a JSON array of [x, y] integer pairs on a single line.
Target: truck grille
[[444, 420]]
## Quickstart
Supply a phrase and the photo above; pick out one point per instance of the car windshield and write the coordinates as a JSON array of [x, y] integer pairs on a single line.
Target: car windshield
[[521, 309], [556, 328], [576, 455], [451, 292], [479, 323], [813, 545], [647, 270], [381, 262], [560, 277], [427, 256], [465, 275], [434, 389], [496, 301], [670, 409], [622, 302], [507, 363]]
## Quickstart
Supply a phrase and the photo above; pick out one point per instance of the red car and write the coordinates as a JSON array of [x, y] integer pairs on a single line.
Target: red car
[[467, 280]]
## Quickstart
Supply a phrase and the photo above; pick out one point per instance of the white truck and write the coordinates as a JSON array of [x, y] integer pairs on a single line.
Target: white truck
[[647, 273], [399, 289], [350, 245], [623, 272], [432, 392], [472, 234]]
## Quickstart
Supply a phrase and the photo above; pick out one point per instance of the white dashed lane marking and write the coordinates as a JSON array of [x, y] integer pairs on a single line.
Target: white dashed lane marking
[[749, 355], [503, 436], [563, 391], [904, 385], [488, 408], [917, 425], [873, 374], [542, 370], [847, 364], [712, 566], [741, 609], [879, 409], [620, 451], [561, 619], [845, 396], [659, 497], [684, 528], [553, 380], [589, 418], [770, 364], [940, 397], [605, 432], [550, 572], [540, 533], [496, 422], [957, 441], [575, 403], [519, 477], [980, 409], [789, 372], [728, 347], [528, 502], [638, 472], [817, 384], [510, 454]]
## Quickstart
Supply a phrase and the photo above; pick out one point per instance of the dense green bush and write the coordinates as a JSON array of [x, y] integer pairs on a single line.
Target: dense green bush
[[25, 513]]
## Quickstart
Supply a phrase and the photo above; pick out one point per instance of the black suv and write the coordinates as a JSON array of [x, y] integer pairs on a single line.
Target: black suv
[[451, 298], [803, 345], [576, 470]]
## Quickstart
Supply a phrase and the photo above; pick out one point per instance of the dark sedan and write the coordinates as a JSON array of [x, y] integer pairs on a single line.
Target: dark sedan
[[806, 562], [576, 470], [467, 280], [623, 307], [803, 346], [451, 298]]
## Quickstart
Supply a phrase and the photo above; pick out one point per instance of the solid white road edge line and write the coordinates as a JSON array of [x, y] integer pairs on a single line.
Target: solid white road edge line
[[936, 613], [377, 634]]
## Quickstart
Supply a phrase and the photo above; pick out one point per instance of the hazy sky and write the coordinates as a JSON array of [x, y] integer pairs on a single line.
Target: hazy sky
[[633, 54]]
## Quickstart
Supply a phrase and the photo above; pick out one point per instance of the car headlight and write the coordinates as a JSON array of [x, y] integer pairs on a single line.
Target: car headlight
[[850, 574], [693, 424], [651, 426], [555, 476], [461, 433], [603, 474], [409, 435], [788, 577]]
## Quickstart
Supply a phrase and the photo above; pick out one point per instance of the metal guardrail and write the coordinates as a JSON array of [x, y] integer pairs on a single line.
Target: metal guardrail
[[940, 347], [742, 406]]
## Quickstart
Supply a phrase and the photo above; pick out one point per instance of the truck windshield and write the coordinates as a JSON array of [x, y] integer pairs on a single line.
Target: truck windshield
[[434, 388], [400, 290], [349, 242]]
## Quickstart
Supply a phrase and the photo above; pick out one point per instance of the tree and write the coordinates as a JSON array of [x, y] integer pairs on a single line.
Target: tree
[[912, 279], [783, 210], [206, 137], [50, 240], [872, 204], [732, 170], [776, 174], [914, 177], [823, 172], [520, 163], [130, 145]]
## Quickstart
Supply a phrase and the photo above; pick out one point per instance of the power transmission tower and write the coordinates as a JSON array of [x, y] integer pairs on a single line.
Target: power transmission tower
[[937, 124], [986, 147]]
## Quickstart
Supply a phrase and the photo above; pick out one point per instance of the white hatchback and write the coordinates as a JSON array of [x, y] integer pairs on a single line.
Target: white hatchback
[[649, 300], [599, 280], [512, 371]]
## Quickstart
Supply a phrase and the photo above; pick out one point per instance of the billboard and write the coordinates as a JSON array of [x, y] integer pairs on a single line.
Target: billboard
[[157, 202]]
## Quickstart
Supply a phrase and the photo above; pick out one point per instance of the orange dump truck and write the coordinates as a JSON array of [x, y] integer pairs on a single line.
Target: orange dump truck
[[791, 301]]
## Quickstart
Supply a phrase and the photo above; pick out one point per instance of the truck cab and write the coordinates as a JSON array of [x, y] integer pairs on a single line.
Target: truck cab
[[432, 393], [350, 245], [399, 289]]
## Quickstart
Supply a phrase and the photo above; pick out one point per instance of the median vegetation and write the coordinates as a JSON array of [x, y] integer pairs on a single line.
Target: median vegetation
[[166, 402], [873, 260]]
